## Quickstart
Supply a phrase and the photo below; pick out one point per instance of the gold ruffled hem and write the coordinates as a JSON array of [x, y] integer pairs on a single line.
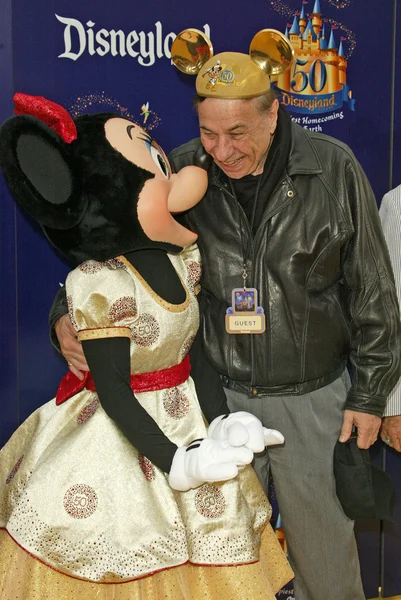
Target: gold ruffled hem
[[23, 577]]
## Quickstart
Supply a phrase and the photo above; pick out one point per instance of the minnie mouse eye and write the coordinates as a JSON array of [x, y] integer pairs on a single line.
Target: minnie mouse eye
[[160, 160]]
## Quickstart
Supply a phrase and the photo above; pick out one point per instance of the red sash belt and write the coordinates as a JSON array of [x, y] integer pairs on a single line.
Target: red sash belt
[[143, 382]]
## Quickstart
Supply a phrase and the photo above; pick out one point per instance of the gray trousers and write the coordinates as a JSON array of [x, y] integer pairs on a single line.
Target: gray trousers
[[320, 538]]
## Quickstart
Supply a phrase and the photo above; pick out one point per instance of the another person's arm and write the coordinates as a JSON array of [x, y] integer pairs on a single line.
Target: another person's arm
[[390, 214], [373, 313], [58, 309], [64, 337]]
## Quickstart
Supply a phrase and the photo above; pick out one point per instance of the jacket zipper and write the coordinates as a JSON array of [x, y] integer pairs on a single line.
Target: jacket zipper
[[231, 194]]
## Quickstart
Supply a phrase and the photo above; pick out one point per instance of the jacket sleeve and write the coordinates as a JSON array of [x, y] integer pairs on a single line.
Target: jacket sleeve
[[390, 215], [58, 309], [371, 300]]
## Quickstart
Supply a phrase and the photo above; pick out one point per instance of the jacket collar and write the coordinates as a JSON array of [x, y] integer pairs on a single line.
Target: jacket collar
[[303, 158]]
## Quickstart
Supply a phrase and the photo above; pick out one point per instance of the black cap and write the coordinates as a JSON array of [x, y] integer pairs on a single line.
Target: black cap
[[364, 490]]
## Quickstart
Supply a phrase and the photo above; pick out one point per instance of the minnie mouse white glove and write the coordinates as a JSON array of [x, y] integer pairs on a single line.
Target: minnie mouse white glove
[[243, 429], [206, 461]]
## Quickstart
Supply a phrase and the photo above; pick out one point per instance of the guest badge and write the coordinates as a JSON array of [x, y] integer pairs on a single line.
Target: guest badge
[[245, 316]]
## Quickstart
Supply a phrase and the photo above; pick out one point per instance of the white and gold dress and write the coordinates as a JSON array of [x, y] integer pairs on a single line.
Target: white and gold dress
[[84, 515]]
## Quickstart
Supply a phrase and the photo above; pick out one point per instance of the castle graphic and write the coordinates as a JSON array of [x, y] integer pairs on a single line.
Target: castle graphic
[[317, 81]]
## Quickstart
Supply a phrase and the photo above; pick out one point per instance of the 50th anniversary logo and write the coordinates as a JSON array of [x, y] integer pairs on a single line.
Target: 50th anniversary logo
[[316, 84]]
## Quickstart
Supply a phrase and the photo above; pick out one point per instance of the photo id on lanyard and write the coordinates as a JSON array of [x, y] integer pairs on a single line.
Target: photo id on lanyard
[[245, 316]]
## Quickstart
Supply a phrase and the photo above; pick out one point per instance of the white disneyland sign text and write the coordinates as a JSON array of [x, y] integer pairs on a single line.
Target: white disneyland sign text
[[142, 45]]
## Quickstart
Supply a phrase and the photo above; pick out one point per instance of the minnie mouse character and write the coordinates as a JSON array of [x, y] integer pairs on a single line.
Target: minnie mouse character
[[112, 482]]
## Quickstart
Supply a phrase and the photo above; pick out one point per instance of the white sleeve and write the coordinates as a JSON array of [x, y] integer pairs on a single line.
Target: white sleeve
[[390, 215]]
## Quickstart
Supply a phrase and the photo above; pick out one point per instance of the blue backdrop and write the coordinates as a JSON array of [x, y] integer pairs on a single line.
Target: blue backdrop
[[93, 55]]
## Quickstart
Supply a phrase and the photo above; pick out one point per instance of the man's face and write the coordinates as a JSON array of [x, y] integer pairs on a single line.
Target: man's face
[[237, 134]]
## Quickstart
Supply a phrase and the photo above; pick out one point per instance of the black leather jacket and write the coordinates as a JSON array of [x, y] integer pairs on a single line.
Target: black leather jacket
[[321, 266]]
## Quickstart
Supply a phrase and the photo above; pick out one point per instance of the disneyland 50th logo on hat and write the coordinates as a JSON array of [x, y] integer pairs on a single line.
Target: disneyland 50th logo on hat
[[317, 83]]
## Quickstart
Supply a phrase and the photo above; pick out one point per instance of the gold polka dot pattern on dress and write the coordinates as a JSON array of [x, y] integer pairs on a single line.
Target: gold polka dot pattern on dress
[[176, 403], [123, 308], [146, 330], [80, 501], [71, 313], [90, 267], [194, 273], [187, 346], [115, 263], [147, 467], [88, 411], [14, 470], [210, 501], [22, 577]]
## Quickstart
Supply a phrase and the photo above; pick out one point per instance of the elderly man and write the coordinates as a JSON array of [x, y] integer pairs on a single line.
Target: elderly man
[[289, 213], [390, 214]]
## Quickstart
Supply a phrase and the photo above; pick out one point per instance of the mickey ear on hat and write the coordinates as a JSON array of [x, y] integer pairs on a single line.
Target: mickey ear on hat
[[190, 50], [271, 51]]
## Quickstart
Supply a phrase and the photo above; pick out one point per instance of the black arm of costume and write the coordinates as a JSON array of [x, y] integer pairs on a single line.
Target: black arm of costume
[[209, 388], [58, 309], [109, 364]]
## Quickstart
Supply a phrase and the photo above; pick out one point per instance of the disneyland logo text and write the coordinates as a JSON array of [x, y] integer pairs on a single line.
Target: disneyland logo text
[[310, 103], [142, 45]]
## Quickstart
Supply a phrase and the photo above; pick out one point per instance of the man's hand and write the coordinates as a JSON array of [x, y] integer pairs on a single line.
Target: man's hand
[[391, 432], [71, 349], [367, 428]]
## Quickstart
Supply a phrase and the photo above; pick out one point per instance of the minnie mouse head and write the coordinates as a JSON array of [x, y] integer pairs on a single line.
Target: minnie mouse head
[[99, 185]]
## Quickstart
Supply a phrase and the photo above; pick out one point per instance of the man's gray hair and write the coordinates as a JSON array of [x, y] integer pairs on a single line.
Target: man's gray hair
[[265, 101]]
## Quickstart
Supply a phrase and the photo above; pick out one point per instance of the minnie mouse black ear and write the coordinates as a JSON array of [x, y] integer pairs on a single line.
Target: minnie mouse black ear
[[37, 166]]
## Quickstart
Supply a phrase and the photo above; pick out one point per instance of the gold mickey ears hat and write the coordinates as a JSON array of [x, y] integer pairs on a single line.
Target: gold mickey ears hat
[[232, 74]]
